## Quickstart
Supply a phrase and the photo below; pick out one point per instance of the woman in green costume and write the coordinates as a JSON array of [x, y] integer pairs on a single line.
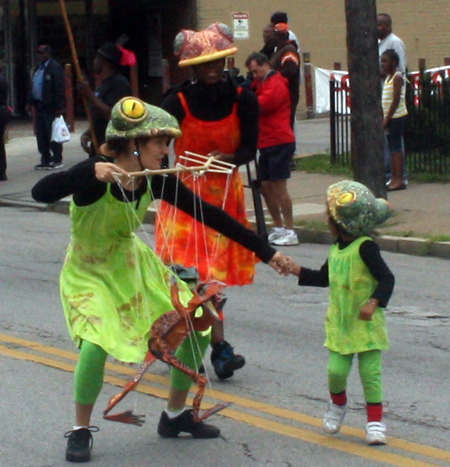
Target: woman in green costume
[[113, 286], [361, 284]]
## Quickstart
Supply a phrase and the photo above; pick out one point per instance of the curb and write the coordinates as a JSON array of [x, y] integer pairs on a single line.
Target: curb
[[405, 245]]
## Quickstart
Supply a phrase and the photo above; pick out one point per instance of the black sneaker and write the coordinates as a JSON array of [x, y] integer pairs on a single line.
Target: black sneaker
[[224, 360], [79, 444], [171, 428], [56, 165], [43, 166]]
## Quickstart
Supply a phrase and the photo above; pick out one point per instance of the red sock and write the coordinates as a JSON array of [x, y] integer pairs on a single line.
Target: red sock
[[374, 412], [339, 399]]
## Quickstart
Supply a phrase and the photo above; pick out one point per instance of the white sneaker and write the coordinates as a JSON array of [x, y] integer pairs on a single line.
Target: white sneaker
[[276, 235], [333, 418], [287, 240], [376, 433]]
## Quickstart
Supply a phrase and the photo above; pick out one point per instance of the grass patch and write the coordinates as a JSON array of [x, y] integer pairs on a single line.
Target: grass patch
[[320, 163], [312, 224]]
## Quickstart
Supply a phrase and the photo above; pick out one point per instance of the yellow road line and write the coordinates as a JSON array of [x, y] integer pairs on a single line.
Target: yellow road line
[[260, 422]]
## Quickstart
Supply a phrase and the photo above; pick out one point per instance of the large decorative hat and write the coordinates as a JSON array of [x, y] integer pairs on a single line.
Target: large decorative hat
[[215, 42], [133, 118], [353, 206]]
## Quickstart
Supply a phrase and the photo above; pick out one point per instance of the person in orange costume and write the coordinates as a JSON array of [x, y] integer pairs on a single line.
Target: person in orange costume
[[217, 117]]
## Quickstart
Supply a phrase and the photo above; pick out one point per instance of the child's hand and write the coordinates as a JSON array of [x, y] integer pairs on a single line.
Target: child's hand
[[281, 263], [294, 268], [368, 310]]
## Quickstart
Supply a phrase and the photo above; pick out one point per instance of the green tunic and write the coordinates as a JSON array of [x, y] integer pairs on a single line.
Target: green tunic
[[351, 285], [113, 286]]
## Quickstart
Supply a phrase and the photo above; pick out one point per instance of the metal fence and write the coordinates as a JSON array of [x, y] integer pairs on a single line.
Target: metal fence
[[427, 129]]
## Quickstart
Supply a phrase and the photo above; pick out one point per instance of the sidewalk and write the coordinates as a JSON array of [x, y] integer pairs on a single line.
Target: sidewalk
[[421, 213]]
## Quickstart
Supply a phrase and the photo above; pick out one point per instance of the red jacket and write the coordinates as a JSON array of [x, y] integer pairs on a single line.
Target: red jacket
[[275, 110]]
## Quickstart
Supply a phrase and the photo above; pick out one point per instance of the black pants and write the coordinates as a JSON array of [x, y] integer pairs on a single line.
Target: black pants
[[50, 151], [4, 119]]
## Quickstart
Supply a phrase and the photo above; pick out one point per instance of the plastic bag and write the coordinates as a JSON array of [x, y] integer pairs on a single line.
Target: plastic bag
[[60, 131]]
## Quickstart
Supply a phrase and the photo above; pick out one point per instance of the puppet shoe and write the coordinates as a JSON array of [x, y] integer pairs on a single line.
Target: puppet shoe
[[333, 418], [79, 444], [184, 423], [376, 433]]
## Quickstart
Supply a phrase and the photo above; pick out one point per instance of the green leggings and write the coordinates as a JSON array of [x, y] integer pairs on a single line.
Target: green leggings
[[88, 377], [369, 371]]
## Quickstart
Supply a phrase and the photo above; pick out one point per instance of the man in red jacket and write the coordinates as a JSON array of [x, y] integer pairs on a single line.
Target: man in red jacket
[[276, 146]]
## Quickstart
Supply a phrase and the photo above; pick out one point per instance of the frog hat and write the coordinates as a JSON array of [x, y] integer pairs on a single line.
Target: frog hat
[[353, 206], [133, 118]]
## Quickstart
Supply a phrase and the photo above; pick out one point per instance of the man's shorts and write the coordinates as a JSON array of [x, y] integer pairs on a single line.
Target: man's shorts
[[274, 162], [394, 134]]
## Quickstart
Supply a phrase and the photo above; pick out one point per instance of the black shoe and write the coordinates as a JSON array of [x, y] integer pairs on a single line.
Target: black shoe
[[224, 361], [56, 165], [171, 428], [43, 166], [3, 177], [79, 444]]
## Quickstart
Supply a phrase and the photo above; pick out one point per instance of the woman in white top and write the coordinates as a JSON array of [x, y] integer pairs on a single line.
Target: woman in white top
[[394, 115]]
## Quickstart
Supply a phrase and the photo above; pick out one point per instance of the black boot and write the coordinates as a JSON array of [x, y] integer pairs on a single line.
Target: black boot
[[224, 361], [79, 444], [172, 427]]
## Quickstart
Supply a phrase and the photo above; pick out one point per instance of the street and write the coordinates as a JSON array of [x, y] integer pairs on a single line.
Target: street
[[278, 398]]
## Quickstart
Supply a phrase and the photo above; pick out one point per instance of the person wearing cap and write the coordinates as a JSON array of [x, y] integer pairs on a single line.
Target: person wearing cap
[[286, 60], [361, 285], [113, 86], [47, 97], [113, 286], [219, 118]]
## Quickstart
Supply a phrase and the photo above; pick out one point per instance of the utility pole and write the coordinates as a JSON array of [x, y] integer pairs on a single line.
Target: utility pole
[[367, 138]]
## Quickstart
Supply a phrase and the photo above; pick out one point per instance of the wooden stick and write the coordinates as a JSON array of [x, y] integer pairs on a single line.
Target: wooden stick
[[80, 76], [210, 165]]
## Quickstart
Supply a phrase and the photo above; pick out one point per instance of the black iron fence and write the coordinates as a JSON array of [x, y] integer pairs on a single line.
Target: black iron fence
[[427, 129]]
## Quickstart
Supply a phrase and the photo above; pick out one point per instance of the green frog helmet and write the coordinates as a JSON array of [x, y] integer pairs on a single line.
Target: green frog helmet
[[354, 207], [133, 118]]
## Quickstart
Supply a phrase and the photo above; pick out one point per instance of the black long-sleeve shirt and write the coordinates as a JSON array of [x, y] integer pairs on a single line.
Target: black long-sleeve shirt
[[80, 181], [370, 254], [215, 102]]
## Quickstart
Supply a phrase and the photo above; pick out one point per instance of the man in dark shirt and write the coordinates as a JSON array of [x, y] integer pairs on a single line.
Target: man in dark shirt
[[286, 60], [112, 88]]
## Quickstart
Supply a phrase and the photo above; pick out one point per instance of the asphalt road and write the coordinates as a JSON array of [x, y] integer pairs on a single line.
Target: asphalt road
[[279, 396]]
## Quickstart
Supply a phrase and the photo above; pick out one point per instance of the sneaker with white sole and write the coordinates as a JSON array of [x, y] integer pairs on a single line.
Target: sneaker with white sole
[[275, 235], [333, 418], [376, 433], [287, 240]]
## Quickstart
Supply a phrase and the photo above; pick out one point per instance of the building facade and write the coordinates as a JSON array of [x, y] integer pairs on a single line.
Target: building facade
[[148, 27]]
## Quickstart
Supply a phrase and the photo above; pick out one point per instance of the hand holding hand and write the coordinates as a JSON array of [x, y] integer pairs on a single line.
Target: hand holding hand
[[280, 263]]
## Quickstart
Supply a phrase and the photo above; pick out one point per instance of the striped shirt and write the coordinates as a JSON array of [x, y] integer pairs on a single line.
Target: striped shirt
[[388, 97]]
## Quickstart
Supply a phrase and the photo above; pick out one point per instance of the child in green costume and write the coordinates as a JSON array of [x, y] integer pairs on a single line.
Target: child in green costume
[[361, 284], [113, 286]]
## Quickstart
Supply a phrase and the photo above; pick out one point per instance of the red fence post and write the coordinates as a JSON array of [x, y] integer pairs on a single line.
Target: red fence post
[[308, 85], [68, 86]]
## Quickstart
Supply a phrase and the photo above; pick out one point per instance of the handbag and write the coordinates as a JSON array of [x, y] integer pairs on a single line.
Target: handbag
[[60, 131]]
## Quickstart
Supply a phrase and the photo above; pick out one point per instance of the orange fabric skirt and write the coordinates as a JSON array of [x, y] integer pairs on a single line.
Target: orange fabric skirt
[[182, 240]]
